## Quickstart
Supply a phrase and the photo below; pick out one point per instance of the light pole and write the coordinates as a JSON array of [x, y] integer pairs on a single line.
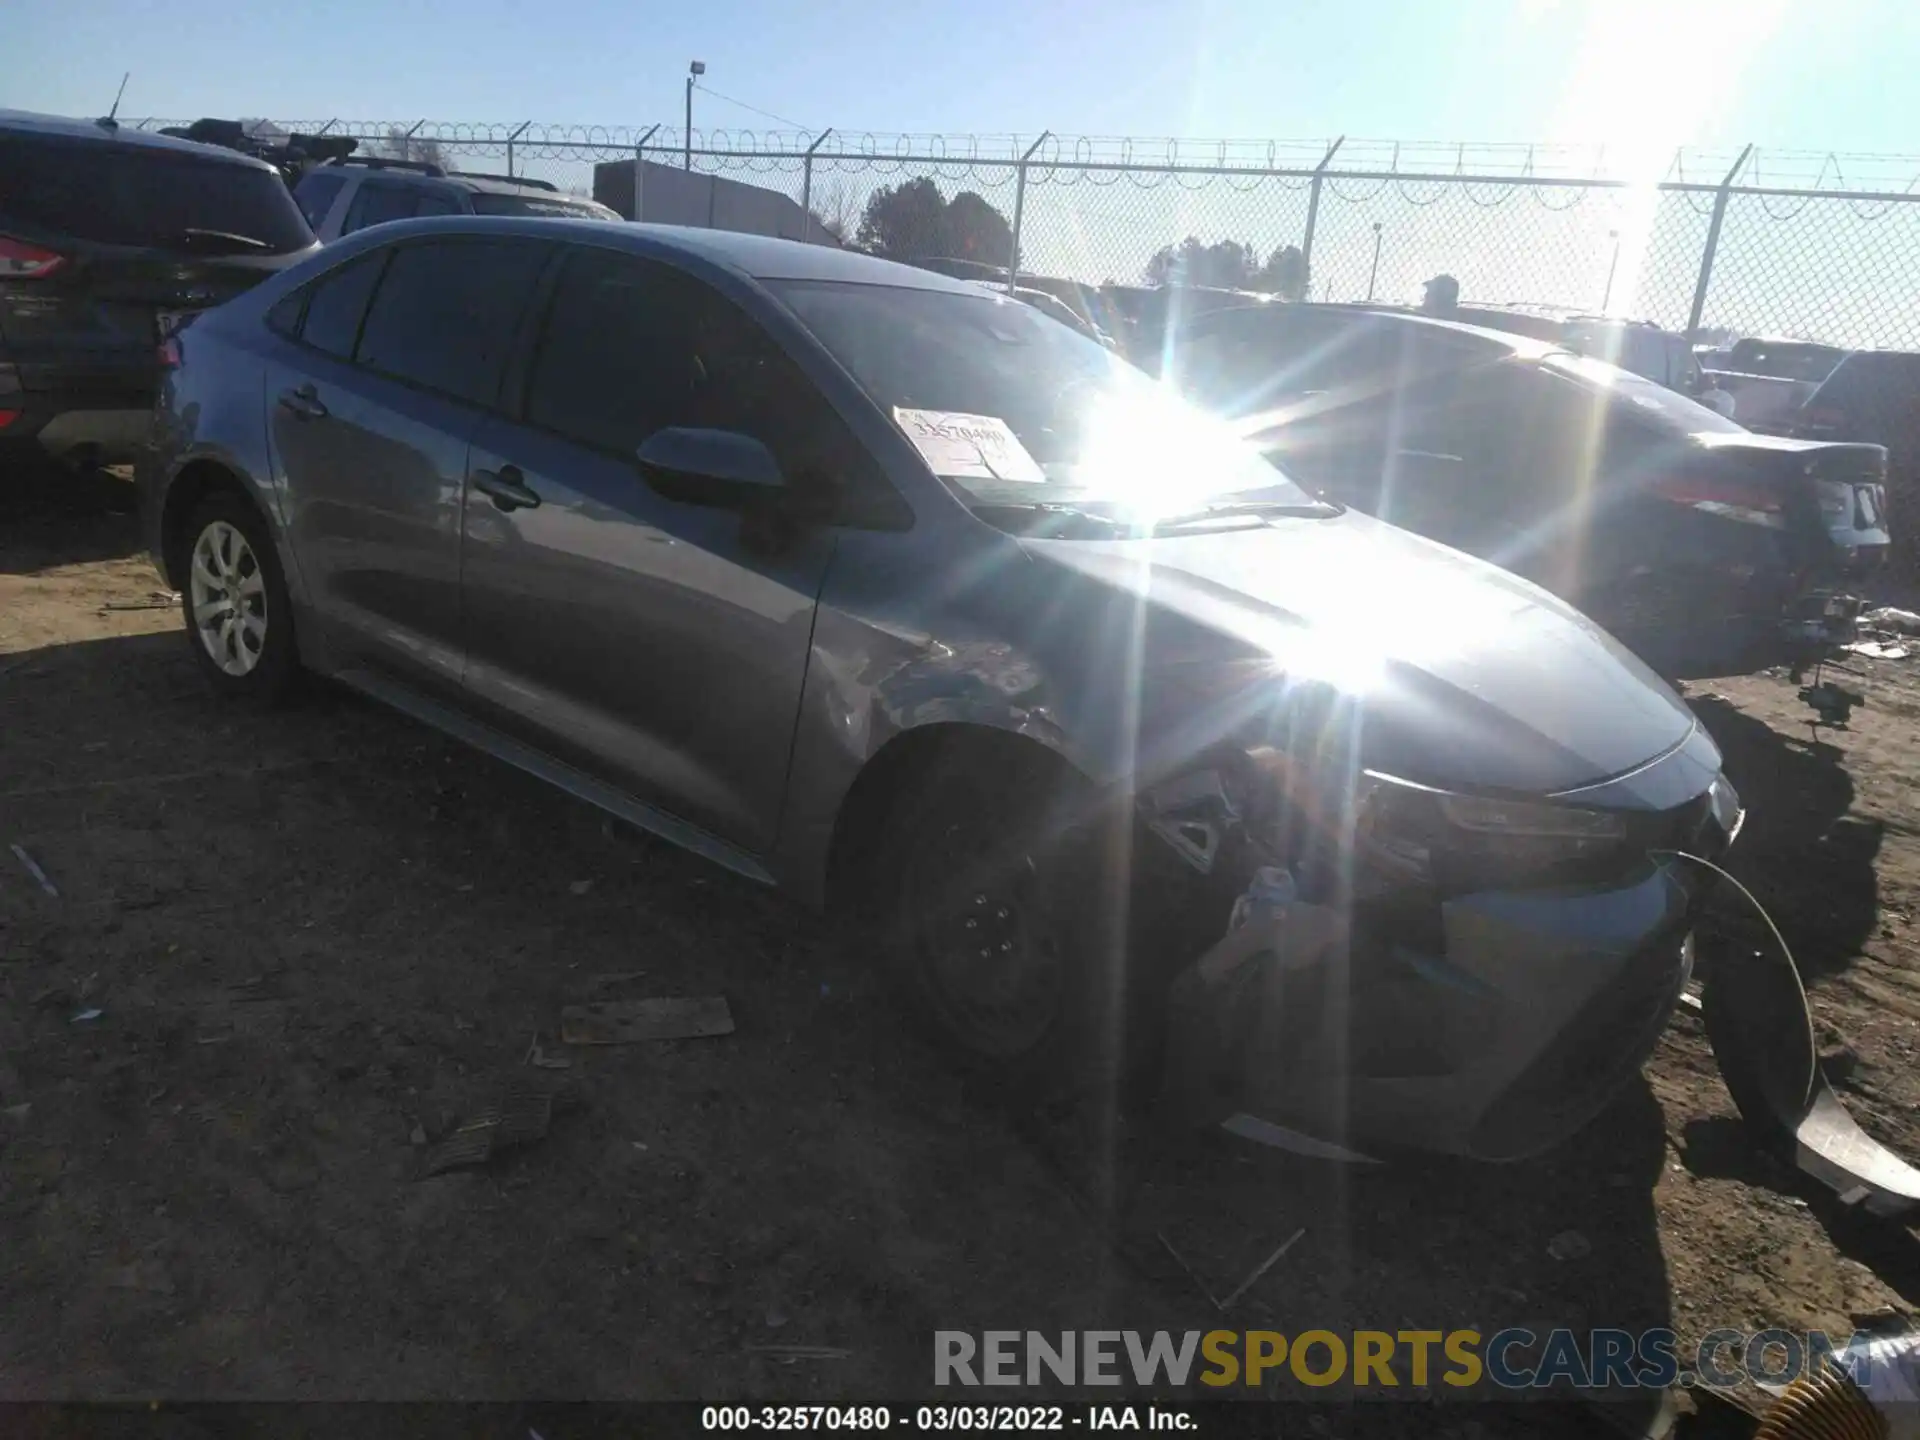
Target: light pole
[[1374, 274], [1612, 265], [695, 70]]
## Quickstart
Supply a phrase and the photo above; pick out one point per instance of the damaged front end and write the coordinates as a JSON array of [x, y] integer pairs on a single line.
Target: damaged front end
[[1386, 965]]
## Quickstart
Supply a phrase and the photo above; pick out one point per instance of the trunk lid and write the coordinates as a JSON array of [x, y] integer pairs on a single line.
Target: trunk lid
[[140, 233]]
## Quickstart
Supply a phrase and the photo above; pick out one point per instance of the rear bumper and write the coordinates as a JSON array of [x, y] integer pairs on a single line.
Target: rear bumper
[[103, 419]]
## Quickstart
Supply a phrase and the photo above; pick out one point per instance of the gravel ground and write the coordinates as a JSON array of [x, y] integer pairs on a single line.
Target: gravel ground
[[320, 939]]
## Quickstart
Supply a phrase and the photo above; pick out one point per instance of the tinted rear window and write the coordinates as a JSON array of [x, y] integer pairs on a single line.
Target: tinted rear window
[[127, 195], [1783, 360], [316, 193], [445, 314], [338, 302]]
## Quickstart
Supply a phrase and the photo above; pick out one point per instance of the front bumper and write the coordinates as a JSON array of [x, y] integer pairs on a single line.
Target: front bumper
[[1491, 1024], [1501, 1043]]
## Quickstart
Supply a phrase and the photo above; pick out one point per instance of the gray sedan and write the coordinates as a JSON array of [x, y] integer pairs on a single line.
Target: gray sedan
[[908, 600]]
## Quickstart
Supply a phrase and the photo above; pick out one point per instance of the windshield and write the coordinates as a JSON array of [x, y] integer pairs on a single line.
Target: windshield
[[1652, 403], [1012, 407], [564, 207]]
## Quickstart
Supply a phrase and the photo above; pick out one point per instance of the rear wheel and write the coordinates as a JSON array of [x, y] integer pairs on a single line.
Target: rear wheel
[[234, 602]]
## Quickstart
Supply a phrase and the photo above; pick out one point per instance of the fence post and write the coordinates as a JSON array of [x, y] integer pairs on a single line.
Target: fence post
[[513, 137], [1019, 209], [1713, 244], [640, 168], [328, 126], [1313, 207], [806, 186]]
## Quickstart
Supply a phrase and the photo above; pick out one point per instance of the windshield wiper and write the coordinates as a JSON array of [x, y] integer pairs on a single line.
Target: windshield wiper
[[243, 242], [1309, 510]]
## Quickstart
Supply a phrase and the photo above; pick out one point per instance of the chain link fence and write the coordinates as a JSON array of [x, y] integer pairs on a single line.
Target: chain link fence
[[1825, 247]]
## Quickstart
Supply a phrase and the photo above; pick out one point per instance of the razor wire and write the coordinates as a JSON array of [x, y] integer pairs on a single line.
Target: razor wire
[[1534, 226]]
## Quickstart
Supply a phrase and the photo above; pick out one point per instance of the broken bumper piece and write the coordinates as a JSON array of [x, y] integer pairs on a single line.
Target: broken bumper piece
[[1447, 990], [1498, 1043]]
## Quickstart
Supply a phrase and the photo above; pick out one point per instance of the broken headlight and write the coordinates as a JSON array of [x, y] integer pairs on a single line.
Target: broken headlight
[[1407, 836]]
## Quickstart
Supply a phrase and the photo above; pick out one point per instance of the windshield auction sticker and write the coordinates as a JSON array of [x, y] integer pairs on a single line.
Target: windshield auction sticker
[[968, 447]]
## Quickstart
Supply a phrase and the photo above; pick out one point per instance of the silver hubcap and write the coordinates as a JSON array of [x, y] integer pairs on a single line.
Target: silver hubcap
[[229, 599]]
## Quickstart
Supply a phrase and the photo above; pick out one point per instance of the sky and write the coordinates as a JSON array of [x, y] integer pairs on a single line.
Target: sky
[[1788, 74]]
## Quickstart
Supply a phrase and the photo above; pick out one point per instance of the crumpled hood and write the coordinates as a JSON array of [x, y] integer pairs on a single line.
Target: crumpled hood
[[1463, 676]]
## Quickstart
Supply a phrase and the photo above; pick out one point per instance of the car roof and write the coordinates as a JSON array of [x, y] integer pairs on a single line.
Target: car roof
[[1523, 346], [63, 127], [759, 257]]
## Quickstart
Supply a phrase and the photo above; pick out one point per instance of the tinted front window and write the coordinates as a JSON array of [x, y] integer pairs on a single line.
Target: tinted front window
[[141, 195], [338, 303], [1096, 429], [631, 346], [316, 194], [445, 313], [564, 207]]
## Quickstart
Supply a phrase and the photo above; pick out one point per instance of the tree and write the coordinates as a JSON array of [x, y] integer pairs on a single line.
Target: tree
[[1229, 265], [401, 146], [1284, 274], [977, 231], [913, 220], [836, 208], [1225, 264]]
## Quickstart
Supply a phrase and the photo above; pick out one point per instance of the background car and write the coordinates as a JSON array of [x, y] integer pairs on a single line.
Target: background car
[[107, 237], [1874, 395], [1695, 540], [352, 193], [1636, 345], [866, 583], [1771, 378]]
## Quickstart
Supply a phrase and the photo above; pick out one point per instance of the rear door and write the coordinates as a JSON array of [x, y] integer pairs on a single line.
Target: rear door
[[102, 239], [643, 636], [396, 358]]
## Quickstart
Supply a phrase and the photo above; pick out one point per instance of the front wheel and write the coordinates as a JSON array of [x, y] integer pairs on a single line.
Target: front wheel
[[239, 621], [1004, 924]]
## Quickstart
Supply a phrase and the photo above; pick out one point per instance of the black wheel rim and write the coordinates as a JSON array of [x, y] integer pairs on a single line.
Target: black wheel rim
[[989, 949]]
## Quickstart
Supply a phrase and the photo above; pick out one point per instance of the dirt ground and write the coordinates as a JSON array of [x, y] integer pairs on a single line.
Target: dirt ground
[[318, 940]]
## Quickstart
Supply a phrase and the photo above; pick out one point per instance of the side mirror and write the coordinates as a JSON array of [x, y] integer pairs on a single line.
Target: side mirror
[[722, 468]]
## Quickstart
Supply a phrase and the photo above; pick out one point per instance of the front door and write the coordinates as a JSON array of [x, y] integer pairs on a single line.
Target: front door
[[654, 642], [371, 409]]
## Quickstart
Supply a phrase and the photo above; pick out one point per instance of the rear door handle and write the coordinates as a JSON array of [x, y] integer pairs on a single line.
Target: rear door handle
[[304, 402], [507, 488]]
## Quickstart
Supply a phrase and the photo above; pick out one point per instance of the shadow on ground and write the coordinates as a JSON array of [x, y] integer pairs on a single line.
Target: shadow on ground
[[1804, 856], [50, 515]]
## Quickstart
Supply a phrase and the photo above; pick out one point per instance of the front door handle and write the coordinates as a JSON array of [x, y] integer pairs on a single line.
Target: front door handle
[[303, 401], [507, 488]]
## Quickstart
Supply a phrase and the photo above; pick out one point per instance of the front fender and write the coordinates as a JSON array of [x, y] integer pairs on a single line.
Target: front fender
[[866, 688]]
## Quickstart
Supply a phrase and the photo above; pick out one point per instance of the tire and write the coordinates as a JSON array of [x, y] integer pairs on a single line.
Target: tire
[[230, 560], [999, 919]]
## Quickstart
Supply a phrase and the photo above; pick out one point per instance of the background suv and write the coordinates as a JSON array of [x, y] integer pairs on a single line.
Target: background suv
[[350, 195], [107, 236]]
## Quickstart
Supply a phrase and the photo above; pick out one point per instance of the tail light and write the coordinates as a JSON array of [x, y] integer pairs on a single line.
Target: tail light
[[7, 417], [1729, 498], [21, 261], [169, 353]]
